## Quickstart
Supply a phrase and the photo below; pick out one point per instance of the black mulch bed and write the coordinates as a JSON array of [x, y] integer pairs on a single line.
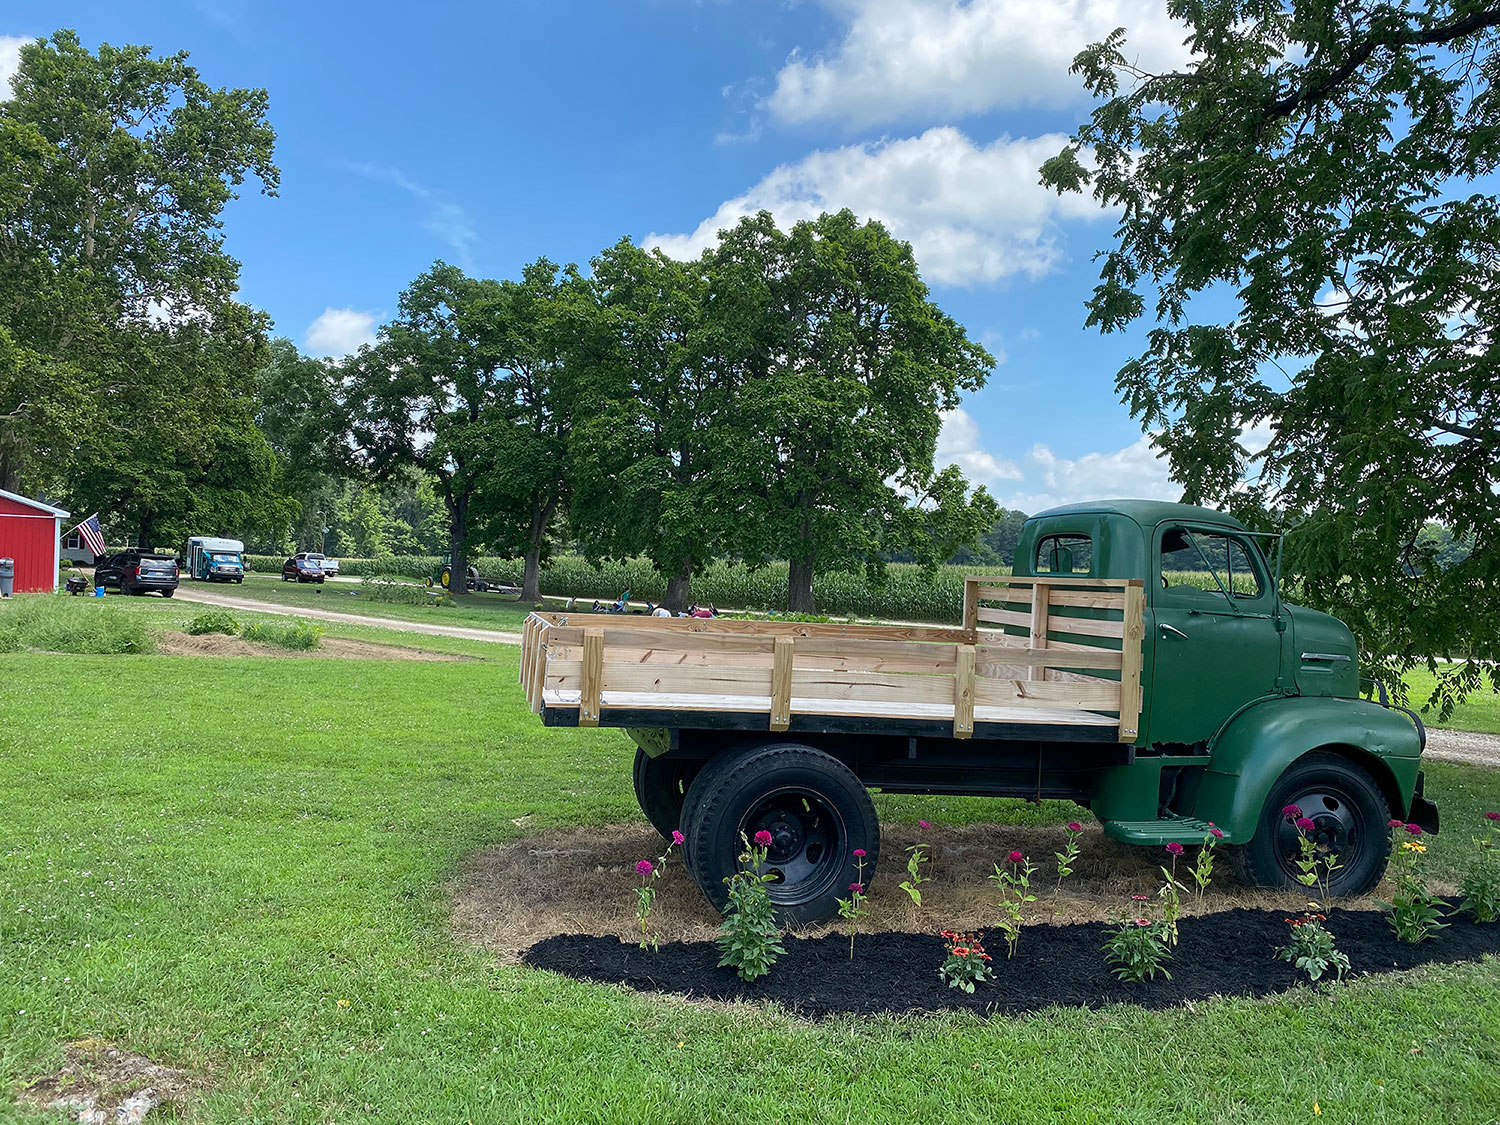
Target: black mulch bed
[[1224, 954]]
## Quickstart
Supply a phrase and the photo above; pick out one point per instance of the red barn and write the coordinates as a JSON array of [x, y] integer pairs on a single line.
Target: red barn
[[31, 533]]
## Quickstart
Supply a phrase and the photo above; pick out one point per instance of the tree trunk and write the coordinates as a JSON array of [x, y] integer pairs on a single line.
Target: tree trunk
[[458, 534], [679, 586], [799, 594], [531, 577], [536, 538]]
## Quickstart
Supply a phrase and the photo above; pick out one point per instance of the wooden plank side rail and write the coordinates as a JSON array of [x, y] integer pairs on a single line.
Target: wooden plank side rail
[[1056, 663]]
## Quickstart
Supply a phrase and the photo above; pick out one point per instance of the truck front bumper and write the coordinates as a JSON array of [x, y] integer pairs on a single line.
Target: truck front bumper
[[1424, 813]]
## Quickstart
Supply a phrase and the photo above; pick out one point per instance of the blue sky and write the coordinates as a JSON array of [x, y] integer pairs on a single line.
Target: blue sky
[[490, 134]]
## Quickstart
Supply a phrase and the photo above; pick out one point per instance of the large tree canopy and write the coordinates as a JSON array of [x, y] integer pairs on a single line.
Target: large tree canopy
[[125, 360], [842, 366], [1308, 214]]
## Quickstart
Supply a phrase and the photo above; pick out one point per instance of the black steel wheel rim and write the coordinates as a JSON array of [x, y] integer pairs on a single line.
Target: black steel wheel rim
[[809, 843], [1338, 828]]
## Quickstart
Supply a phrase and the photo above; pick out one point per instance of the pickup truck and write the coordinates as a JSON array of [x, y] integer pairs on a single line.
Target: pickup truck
[[1138, 660]]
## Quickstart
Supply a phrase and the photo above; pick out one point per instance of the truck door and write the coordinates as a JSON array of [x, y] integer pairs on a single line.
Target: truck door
[[1211, 630]]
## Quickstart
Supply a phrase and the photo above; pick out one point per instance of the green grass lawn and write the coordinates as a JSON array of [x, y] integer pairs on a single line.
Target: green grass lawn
[[1481, 711], [199, 858]]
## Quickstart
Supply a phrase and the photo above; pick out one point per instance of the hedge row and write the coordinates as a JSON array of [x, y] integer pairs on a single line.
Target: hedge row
[[905, 594]]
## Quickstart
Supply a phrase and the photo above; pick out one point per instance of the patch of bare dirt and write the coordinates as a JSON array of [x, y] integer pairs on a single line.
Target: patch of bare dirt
[[582, 881], [175, 643], [100, 1082]]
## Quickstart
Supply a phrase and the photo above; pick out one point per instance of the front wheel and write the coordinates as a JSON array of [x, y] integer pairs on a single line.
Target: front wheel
[[816, 811], [1350, 814]]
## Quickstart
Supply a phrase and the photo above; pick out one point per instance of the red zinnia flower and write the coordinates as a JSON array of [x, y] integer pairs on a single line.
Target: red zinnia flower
[[860, 852], [1015, 857], [644, 867], [923, 824], [1216, 833], [1291, 812], [1174, 848], [857, 888], [1074, 826], [1393, 823], [763, 838], [678, 837], [1414, 829], [1306, 823], [1492, 816]]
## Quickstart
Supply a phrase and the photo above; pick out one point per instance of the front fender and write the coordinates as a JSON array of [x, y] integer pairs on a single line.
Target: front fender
[[1256, 746]]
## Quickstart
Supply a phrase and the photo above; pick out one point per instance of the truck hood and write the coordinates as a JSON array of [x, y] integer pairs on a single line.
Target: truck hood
[[1324, 659]]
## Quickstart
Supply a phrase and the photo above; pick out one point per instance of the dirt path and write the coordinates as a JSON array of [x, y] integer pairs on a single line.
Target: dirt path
[[463, 632], [1471, 748]]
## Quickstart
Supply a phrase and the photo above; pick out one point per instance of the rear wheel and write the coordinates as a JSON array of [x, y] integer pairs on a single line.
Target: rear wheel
[[815, 809], [168, 593], [661, 786], [1349, 811]]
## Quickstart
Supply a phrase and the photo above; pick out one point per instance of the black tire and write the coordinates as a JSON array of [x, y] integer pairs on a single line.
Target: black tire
[[661, 786], [816, 810], [1352, 816], [168, 593]]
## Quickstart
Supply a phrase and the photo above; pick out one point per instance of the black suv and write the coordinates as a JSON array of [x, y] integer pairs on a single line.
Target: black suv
[[138, 572]]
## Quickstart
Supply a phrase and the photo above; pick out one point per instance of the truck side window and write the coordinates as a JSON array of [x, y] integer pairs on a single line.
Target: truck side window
[[1184, 554], [1064, 554]]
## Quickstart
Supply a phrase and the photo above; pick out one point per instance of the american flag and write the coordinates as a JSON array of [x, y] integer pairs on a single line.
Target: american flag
[[90, 535]]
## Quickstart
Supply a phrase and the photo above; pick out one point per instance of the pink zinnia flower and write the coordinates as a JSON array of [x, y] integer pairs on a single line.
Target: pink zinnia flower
[[1015, 857], [1216, 833], [763, 838], [1414, 829], [1074, 826], [1492, 816], [1143, 922], [1394, 823], [860, 852], [644, 867], [923, 824], [1291, 812], [1174, 848], [678, 837], [1306, 823], [1139, 898]]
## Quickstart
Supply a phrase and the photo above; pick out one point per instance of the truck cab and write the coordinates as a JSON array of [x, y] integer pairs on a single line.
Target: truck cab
[[1249, 704]]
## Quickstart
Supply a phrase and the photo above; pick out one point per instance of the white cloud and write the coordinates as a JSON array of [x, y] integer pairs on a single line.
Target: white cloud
[[10, 61], [340, 332], [442, 216], [972, 213], [1135, 472], [944, 58], [958, 444]]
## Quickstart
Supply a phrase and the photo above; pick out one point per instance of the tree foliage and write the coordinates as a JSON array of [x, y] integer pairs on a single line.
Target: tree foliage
[[1308, 216], [841, 366], [125, 360]]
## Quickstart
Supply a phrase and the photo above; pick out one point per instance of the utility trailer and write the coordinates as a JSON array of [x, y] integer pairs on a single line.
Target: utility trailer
[[1077, 677]]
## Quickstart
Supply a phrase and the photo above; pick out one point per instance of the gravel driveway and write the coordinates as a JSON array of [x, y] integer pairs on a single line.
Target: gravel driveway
[[229, 601], [1466, 746]]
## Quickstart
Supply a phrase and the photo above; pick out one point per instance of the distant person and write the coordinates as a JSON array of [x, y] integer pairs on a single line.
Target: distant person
[[661, 611], [568, 606], [699, 611], [597, 608]]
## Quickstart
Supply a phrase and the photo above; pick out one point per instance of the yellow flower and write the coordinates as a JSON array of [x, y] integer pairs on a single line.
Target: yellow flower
[[1413, 846], [1317, 1110], [343, 1003]]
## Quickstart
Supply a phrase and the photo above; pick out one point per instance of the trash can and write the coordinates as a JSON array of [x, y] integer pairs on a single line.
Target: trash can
[[7, 577]]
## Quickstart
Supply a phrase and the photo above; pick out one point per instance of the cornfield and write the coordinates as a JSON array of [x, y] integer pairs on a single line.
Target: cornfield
[[905, 594]]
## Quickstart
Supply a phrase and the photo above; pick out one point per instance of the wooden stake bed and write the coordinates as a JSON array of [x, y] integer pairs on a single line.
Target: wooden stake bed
[[1039, 651]]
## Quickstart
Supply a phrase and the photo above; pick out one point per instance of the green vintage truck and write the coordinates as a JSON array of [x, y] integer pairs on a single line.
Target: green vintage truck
[[1139, 660]]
